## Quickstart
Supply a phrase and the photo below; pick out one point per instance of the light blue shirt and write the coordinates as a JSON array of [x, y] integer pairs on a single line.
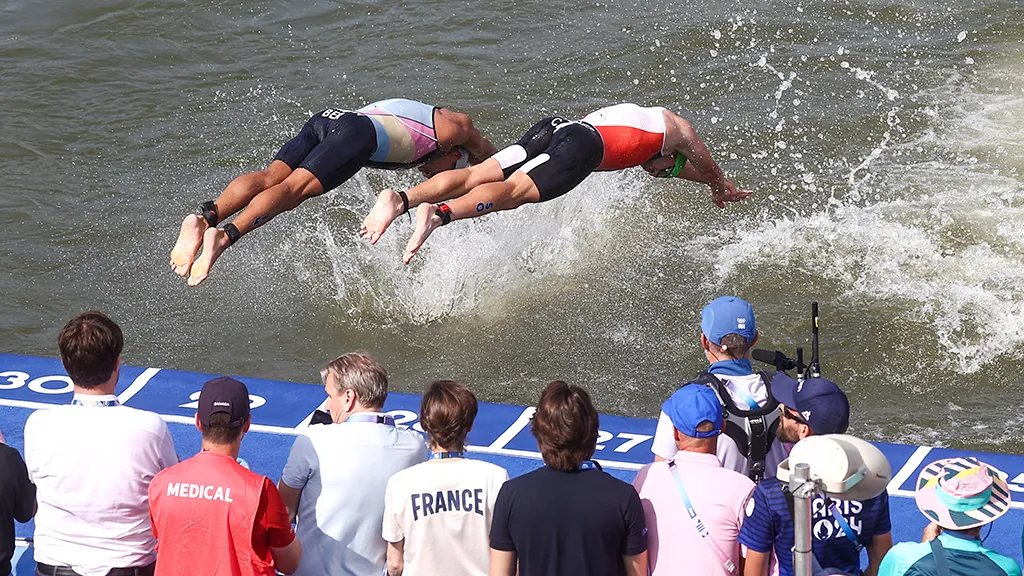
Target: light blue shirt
[[965, 556], [343, 470]]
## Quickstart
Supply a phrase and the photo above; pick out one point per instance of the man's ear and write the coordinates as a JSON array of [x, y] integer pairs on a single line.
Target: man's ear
[[349, 399], [248, 422]]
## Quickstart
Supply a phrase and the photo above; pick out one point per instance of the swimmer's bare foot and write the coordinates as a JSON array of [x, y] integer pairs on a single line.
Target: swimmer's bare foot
[[387, 207], [189, 239], [426, 222], [215, 242]]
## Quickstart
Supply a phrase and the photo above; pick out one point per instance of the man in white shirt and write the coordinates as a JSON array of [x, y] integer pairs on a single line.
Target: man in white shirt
[[437, 515], [92, 463], [728, 334], [336, 473]]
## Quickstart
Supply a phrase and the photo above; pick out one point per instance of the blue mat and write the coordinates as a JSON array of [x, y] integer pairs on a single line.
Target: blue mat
[[501, 435]]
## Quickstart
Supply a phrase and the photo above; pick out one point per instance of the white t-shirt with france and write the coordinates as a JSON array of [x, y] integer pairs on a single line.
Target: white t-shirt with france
[[92, 466], [740, 387], [443, 510], [342, 470]]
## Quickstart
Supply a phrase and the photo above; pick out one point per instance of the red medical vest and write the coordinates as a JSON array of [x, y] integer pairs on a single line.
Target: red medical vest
[[204, 510]]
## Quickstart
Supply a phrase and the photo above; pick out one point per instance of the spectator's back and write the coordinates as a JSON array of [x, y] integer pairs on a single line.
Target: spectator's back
[[92, 462], [337, 473], [344, 470], [92, 466]]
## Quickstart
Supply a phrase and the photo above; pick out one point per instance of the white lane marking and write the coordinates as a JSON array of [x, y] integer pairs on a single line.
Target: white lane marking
[[138, 384], [512, 431], [908, 468]]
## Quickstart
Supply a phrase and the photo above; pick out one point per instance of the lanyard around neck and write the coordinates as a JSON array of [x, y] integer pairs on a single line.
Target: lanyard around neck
[[834, 510], [446, 455], [95, 403], [371, 418], [699, 526]]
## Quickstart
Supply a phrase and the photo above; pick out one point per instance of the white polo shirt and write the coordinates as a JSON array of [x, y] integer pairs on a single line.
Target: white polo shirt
[[740, 388], [342, 470], [92, 466], [443, 511]]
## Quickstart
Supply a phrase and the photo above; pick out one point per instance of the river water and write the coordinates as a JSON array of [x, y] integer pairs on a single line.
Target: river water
[[883, 140]]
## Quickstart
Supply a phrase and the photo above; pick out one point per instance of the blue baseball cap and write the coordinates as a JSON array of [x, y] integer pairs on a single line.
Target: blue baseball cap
[[692, 405], [823, 406], [728, 315]]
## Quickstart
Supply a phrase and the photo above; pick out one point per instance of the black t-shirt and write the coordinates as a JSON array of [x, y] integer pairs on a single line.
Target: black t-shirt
[[17, 501], [560, 523]]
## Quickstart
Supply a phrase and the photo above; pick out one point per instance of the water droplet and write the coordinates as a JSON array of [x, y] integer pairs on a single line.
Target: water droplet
[[961, 36]]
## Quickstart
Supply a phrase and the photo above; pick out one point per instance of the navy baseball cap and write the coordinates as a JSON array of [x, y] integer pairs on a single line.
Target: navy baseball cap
[[820, 402], [224, 395], [728, 315], [692, 405]]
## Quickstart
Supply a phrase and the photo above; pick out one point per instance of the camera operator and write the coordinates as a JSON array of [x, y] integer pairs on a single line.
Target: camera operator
[[728, 332]]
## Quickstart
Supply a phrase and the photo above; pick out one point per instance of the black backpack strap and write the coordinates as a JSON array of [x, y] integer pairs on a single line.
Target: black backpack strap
[[754, 446], [758, 444], [939, 553]]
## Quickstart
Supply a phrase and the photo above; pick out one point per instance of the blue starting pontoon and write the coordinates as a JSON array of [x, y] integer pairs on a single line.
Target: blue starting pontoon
[[501, 435]]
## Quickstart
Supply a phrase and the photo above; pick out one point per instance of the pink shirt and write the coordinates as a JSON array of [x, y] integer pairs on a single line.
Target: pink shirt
[[719, 497]]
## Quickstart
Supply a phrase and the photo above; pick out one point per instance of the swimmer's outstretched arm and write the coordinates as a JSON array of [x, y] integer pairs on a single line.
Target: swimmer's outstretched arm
[[683, 139]]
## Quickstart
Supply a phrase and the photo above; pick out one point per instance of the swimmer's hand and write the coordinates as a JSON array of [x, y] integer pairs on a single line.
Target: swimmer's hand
[[723, 191]]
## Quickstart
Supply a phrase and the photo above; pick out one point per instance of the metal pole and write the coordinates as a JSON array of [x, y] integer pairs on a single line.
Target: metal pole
[[803, 490]]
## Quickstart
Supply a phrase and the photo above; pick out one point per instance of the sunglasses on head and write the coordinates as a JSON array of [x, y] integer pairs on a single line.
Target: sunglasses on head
[[793, 415]]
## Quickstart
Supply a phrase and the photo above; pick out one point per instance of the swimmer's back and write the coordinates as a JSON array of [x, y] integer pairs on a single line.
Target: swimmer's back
[[631, 134]]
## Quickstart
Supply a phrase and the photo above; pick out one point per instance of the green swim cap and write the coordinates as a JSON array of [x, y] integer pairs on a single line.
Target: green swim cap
[[680, 162]]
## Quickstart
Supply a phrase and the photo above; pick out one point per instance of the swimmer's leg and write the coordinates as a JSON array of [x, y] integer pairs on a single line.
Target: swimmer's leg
[[238, 193], [573, 153], [519, 189], [298, 186], [444, 186]]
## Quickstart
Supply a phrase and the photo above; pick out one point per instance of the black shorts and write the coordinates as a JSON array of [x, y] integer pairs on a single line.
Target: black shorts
[[575, 150], [333, 145]]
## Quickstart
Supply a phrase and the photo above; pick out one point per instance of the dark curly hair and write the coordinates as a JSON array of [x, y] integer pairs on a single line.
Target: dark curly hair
[[447, 414]]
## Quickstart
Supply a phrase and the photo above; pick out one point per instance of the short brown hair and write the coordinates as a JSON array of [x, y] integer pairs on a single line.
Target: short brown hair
[[565, 426], [358, 372], [90, 345], [447, 414], [736, 346], [220, 431]]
